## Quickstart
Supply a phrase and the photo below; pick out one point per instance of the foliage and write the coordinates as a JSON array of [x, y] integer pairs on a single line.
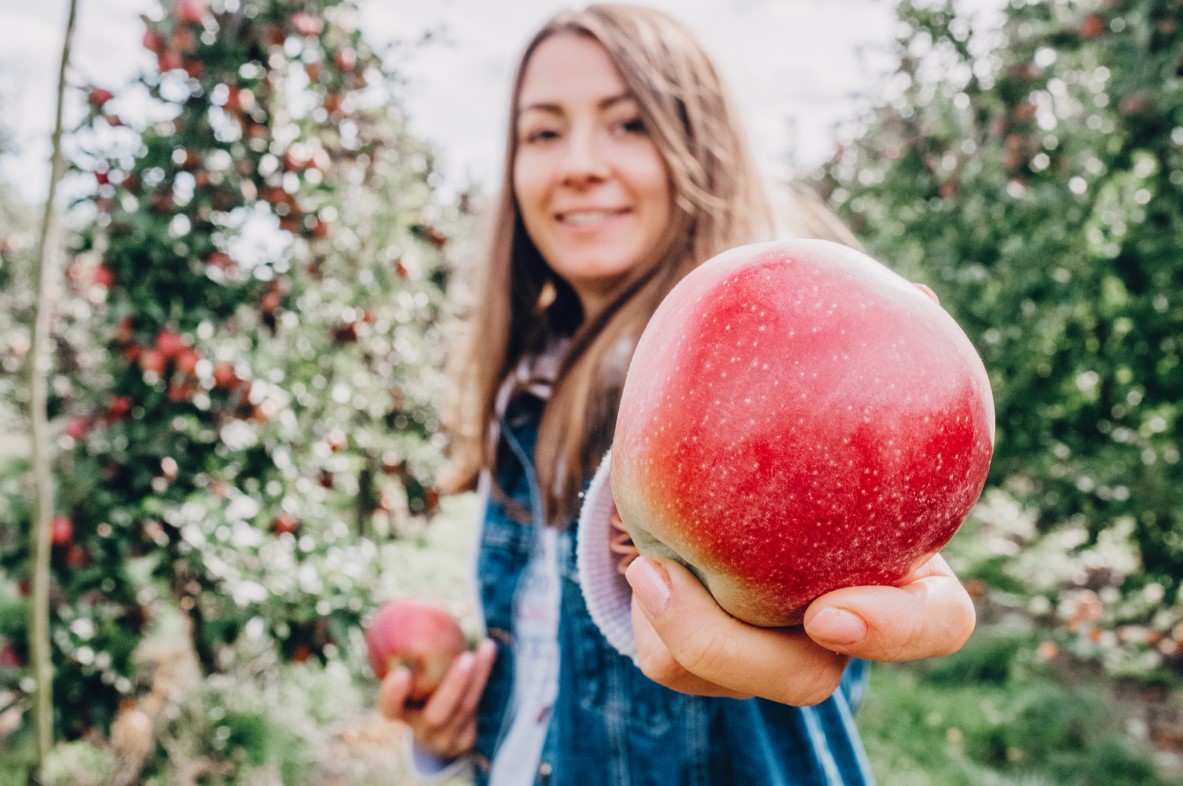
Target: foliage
[[1024, 725], [263, 720], [1034, 177], [248, 384], [16, 299]]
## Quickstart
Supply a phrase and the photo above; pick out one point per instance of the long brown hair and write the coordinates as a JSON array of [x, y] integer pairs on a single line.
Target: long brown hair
[[522, 306]]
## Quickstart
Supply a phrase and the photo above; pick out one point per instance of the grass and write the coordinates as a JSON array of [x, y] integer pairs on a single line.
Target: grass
[[990, 716]]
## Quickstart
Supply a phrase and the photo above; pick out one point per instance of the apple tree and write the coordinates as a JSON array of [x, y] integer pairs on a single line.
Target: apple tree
[[263, 261], [1033, 175]]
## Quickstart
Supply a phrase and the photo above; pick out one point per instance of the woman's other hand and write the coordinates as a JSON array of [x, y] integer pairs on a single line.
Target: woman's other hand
[[444, 725]]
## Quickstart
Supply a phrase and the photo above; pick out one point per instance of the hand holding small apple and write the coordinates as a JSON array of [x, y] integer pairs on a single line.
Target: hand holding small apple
[[444, 724], [429, 679]]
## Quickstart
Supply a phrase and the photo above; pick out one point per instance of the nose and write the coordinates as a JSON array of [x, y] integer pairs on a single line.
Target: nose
[[583, 162]]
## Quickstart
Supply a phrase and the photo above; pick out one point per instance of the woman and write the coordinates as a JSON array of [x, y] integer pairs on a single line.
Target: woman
[[625, 168]]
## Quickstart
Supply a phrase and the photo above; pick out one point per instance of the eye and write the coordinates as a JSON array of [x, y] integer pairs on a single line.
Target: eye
[[531, 136], [633, 125]]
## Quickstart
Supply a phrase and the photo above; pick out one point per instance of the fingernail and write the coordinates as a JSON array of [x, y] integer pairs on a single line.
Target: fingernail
[[837, 626], [651, 585]]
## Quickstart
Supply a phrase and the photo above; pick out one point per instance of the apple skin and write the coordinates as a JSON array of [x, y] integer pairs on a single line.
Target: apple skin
[[798, 418], [418, 634]]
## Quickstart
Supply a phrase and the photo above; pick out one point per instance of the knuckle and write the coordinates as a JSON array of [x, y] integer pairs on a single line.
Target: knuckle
[[956, 630], [707, 654], [813, 686], [659, 666]]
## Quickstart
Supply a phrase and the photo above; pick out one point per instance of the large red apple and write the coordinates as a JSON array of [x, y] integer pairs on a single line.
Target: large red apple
[[798, 418], [417, 634]]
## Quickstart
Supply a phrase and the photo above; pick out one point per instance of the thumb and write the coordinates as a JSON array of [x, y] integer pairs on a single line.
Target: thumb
[[393, 692]]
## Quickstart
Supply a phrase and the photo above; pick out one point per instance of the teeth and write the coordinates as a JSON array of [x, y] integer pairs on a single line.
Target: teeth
[[587, 216]]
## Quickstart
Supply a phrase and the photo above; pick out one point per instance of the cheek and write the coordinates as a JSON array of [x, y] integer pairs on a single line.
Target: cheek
[[654, 182], [527, 190]]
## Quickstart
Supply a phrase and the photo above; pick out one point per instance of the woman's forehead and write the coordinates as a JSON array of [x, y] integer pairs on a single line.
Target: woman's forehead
[[566, 68]]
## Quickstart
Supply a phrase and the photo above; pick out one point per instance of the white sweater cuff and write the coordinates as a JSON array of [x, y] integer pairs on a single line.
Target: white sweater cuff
[[607, 594], [428, 769]]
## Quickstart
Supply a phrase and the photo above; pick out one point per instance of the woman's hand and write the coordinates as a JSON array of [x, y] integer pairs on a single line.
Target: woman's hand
[[686, 642], [445, 725]]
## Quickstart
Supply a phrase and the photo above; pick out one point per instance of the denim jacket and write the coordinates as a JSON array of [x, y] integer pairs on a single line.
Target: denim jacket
[[611, 724]]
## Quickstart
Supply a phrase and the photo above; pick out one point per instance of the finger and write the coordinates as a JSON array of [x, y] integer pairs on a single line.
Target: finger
[[393, 692], [442, 708], [781, 664], [659, 665], [483, 657], [927, 615]]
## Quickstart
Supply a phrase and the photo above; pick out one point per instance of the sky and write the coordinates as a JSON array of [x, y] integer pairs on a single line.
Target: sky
[[798, 69]]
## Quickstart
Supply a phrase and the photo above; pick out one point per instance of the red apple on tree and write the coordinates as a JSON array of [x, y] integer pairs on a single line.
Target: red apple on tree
[[189, 11], [226, 377], [119, 407], [187, 360], [169, 344], [76, 428], [152, 361], [99, 96], [284, 524], [798, 418], [417, 634], [61, 530], [104, 276]]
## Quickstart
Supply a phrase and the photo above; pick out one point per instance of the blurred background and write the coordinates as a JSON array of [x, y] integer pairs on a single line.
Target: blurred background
[[258, 257]]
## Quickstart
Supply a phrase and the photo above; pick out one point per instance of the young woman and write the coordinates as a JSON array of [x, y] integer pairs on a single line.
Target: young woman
[[625, 168]]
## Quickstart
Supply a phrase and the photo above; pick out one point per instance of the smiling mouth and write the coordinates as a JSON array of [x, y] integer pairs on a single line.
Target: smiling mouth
[[586, 217]]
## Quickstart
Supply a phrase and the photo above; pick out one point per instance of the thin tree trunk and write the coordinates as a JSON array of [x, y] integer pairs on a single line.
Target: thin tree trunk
[[42, 461]]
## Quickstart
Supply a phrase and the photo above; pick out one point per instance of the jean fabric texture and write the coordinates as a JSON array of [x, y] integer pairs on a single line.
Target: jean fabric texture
[[611, 724]]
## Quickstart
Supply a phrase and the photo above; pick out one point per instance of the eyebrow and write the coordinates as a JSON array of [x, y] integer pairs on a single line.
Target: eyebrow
[[554, 108]]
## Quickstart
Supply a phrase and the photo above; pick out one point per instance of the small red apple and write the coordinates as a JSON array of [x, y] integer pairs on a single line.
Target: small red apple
[[152, 361], [306, 24], [119, 407], [187, 361], [99, 96], [77, 556], [9, 657], [798, 418], [104, 276], [168, 60], [225, 376], [153, 41], [189, 11], [61, 530], [1092, 26], [77, 428], [284, 524], [181, 391], [417, 634], [169, 344]]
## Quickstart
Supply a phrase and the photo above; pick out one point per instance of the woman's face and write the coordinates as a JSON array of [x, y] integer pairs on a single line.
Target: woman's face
[[594, 193]]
